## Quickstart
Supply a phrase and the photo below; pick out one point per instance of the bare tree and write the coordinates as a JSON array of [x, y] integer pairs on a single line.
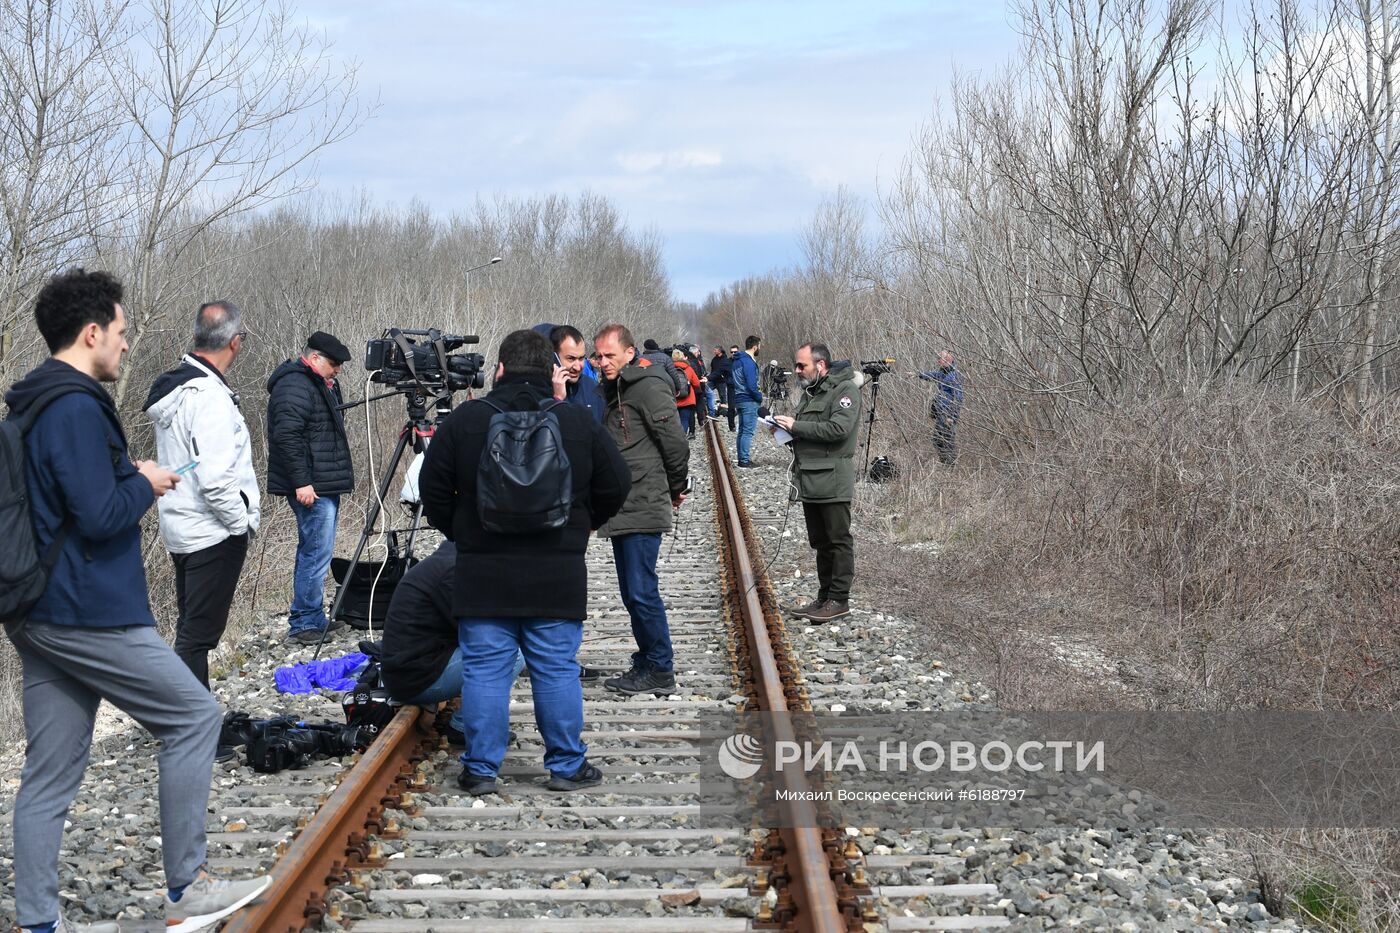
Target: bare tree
[[226, 103], [56, 127]]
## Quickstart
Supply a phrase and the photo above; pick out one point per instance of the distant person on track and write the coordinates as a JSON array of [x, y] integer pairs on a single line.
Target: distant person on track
[[688, 406], [207, 521], [522, 590], [747, 396], [824, 433], [91, 636], [642, 419], [719, 386], [945, 407], [308, 461]]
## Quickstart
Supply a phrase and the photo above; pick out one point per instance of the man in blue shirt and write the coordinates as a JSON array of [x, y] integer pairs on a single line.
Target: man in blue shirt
[[746, 396], [946, 406], [574, 379]]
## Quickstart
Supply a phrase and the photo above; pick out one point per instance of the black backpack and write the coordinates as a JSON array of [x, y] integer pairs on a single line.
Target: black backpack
[[525, 483], [23, 573]]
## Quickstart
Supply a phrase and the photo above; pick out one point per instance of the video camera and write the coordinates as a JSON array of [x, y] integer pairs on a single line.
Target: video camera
[[878, 367], [398, 360], [775, 379]]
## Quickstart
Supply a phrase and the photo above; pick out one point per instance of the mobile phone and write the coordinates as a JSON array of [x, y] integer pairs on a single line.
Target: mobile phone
[[689, 485]]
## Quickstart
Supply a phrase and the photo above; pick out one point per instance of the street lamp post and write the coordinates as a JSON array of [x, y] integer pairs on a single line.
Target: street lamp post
[[467, 276]]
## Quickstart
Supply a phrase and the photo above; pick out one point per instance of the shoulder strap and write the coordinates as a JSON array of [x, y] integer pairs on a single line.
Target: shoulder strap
[[31, 414]]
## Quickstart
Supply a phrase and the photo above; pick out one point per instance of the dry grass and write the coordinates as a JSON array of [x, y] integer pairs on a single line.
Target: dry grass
[[1223, 551]]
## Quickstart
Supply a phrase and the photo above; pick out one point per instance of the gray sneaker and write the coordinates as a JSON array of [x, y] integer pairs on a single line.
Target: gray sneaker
[[208, 899]]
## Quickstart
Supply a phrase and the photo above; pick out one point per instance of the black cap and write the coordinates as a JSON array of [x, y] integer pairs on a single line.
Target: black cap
[[649, 344], [326, 345]]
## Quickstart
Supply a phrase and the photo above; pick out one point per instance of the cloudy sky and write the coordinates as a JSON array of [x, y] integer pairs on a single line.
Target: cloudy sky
[[720, 124]]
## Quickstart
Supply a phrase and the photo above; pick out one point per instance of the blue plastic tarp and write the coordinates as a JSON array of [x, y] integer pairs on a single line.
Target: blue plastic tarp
[[330, 674]]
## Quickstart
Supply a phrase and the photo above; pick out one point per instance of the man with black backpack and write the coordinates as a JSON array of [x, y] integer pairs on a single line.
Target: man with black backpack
[[518, 480], [88, 634]]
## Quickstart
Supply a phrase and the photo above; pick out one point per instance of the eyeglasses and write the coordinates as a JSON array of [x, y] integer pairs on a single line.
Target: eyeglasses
[[242, 333]]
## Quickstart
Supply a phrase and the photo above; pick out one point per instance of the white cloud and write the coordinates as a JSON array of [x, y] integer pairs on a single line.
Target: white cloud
[[677, 160]]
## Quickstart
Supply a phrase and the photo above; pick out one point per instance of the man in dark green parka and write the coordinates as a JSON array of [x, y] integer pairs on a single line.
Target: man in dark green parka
[[642, 418], [824, 444]]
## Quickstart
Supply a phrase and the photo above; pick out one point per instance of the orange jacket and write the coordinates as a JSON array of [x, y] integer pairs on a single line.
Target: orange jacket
[[694, 381]]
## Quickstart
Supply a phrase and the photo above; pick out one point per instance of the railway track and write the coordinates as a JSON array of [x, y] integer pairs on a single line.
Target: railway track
[[389, 845]]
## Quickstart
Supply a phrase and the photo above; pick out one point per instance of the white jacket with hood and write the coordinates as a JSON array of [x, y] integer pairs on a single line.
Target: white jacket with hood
[[196, 418]]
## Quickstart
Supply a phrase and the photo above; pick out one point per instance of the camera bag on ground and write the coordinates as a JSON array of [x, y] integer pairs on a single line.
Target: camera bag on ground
[[524, 482], [24, 573]]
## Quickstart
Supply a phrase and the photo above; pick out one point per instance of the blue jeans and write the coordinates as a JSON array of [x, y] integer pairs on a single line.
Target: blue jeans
[[687, 414], [635, 556], [710, 393], [449, 685], [490, 650], [315, 542], [748, 421]]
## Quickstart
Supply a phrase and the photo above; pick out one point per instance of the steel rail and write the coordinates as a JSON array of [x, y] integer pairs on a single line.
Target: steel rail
[[813, 890], [335, 840]]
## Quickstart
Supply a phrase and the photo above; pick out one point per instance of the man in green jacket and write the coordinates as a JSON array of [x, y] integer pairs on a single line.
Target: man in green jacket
[[824, 443], [641, 416]]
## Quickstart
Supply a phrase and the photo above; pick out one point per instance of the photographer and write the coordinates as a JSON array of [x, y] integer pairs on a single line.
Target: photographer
[[945, 407], [308, 461], [524, 586], [823, 444]]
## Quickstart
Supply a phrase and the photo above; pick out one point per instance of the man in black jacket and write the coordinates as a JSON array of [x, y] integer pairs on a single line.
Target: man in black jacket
[[308, 461], [525, 592]]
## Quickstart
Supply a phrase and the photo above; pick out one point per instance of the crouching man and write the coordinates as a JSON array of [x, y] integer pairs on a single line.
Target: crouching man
[[521, 524], [420, 660]]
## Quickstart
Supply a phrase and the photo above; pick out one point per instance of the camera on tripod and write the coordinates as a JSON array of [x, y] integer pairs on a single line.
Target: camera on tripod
[[775, 380], [877, 367], [398, 360]]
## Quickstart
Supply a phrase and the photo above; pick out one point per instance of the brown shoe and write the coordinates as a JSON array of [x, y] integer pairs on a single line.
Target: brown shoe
[[803, 612], [829, 610]]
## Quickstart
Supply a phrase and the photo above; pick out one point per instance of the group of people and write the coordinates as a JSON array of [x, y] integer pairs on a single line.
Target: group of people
[[91, 635], [466, 620]]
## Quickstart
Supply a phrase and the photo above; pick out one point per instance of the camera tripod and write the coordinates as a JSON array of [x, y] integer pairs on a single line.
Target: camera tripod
[[870, 419], [418, 430]]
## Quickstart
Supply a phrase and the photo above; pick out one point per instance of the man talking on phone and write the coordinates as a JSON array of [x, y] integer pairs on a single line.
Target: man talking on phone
[[574, 379]]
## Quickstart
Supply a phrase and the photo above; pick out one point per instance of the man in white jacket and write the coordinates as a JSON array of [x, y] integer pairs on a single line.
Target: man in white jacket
[[208, 519]]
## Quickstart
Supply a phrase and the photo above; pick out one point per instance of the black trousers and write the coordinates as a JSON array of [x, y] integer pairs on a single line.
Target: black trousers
[[726, 392], [829, 532], [204, 585]]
